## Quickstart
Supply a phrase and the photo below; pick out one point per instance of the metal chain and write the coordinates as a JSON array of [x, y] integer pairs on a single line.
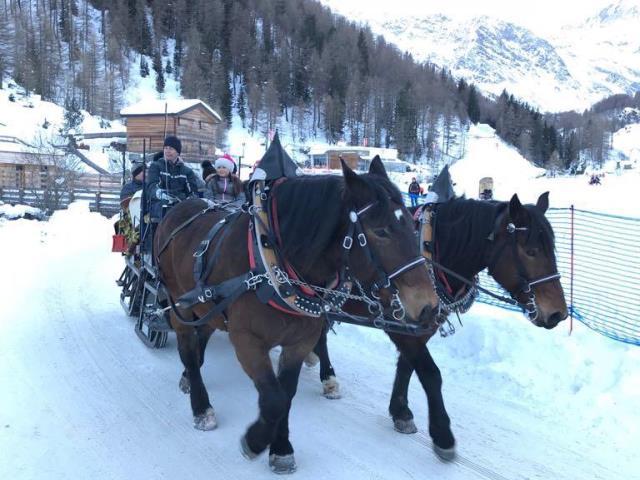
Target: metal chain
[[282, 278], [458, 305]]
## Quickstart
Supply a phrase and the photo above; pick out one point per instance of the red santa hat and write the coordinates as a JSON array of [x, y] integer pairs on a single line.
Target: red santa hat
[[226, 161]]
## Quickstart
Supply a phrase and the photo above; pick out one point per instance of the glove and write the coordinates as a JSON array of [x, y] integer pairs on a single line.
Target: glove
[[163, 195]]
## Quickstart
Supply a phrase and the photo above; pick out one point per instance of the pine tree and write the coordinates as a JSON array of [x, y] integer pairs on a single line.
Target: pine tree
[[168, 68], [72, 115], [144, 67], [473, 106]]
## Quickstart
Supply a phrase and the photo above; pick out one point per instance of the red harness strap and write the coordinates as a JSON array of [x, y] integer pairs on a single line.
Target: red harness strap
[[276, 228]]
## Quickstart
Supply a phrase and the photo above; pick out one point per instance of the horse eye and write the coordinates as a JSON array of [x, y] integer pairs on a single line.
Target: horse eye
[[532, 252], [381, 232]]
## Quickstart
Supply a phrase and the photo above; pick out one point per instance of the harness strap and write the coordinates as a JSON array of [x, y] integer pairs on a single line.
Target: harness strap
[[200, 253], [230, 290], [181, 227]]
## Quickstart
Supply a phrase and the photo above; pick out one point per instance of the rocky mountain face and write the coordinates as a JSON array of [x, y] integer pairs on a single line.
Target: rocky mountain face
[[569, 70]]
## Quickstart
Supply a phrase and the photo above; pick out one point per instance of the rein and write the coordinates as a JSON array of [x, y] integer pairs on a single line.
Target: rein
[[427, 239], [525, 284]]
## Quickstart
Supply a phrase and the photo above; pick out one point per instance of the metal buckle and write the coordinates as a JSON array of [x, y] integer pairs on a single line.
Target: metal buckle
[[347, 243], [253, 281], [362, 240], [203, 248]]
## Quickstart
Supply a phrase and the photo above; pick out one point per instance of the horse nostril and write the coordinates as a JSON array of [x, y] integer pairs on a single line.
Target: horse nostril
[[556, 318], [426, 315]]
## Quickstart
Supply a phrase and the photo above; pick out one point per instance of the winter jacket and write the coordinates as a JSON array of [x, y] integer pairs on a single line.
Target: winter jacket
[[414, 188], [129, 188], [174, 178], [224, 190]]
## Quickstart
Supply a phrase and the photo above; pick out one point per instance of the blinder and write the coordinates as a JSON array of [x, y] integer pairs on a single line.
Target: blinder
[[526, 285], [383, 279]]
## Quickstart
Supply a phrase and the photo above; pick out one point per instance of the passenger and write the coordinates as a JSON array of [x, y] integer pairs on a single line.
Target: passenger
[[135, 184], [222, 184], [124, 225]]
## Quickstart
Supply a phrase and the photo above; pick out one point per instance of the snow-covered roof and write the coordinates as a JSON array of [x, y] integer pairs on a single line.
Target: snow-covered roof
[[364, 152], [173, 107], [17, 146]]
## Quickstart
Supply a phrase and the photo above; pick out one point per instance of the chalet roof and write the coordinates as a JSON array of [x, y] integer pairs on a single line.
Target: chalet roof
[[173, 107], [366, 153]]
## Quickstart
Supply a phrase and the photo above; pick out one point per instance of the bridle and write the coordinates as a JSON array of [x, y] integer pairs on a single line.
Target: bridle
[[383, 280], [525, 284]]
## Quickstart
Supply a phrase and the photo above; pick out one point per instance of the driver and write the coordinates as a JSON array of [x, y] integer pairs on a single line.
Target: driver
[[169, 180]]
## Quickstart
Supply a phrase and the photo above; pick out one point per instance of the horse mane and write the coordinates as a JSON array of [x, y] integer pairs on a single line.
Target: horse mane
[[463, 226], [313, 213]]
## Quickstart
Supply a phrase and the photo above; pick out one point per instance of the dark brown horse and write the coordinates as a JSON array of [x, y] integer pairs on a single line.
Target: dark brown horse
[[516, 243], [315, 215]]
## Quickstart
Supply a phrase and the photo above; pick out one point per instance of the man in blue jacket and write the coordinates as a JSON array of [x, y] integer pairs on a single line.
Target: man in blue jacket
[[169, 180]]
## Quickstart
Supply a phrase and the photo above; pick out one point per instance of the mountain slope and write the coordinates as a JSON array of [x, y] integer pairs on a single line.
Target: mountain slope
[[570, 70]]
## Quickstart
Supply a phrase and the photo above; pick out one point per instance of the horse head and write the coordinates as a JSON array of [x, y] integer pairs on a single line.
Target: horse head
[[387, 258], [523, 261]]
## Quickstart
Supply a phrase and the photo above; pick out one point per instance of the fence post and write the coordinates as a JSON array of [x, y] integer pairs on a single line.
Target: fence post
[[571, 274], [97, 201]]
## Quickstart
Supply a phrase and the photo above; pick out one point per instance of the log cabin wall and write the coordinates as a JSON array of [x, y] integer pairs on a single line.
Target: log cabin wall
[[195, 127]]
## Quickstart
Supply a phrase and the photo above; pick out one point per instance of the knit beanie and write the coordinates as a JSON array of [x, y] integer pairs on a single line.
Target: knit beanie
[[226, 161], [207, 169], [136, 168], [173, 141]]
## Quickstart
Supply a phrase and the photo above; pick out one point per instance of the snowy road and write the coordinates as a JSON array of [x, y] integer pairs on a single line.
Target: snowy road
[[81, 397]]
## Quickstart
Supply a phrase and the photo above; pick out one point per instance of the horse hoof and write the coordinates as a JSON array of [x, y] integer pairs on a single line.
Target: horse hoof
[[311, 360], [184, 384], [245, 450], [331, 388], [282, 464], [206, 421], [445, 454], [405, 426]]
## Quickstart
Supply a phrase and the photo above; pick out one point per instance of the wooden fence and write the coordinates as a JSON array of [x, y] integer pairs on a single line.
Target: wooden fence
[[101, 191]]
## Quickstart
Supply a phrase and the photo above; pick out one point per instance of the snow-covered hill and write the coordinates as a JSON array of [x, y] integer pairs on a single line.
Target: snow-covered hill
[[569, 70], [28, 122]]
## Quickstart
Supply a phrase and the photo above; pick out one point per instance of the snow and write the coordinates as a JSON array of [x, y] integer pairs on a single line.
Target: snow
[[83, 398], [556, 65], [12, 212], [159, 106]]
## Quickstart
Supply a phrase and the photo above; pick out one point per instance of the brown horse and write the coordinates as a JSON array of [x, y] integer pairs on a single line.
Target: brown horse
[[320, 218], [516, 243]]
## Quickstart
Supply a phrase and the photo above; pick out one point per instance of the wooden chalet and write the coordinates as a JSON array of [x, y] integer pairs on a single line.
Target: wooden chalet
[[23, 166], [192, 121], [358, 158]]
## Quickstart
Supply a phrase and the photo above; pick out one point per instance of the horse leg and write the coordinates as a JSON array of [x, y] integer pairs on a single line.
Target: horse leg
[[204, 333], [189, 347], [330, 386], [417, 355], [272, 399], [281, 457], [399, 404]]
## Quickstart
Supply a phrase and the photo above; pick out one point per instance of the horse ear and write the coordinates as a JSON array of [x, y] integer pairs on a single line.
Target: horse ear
[[515, 207], [543, 202], [377, 167], [355, 184]]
